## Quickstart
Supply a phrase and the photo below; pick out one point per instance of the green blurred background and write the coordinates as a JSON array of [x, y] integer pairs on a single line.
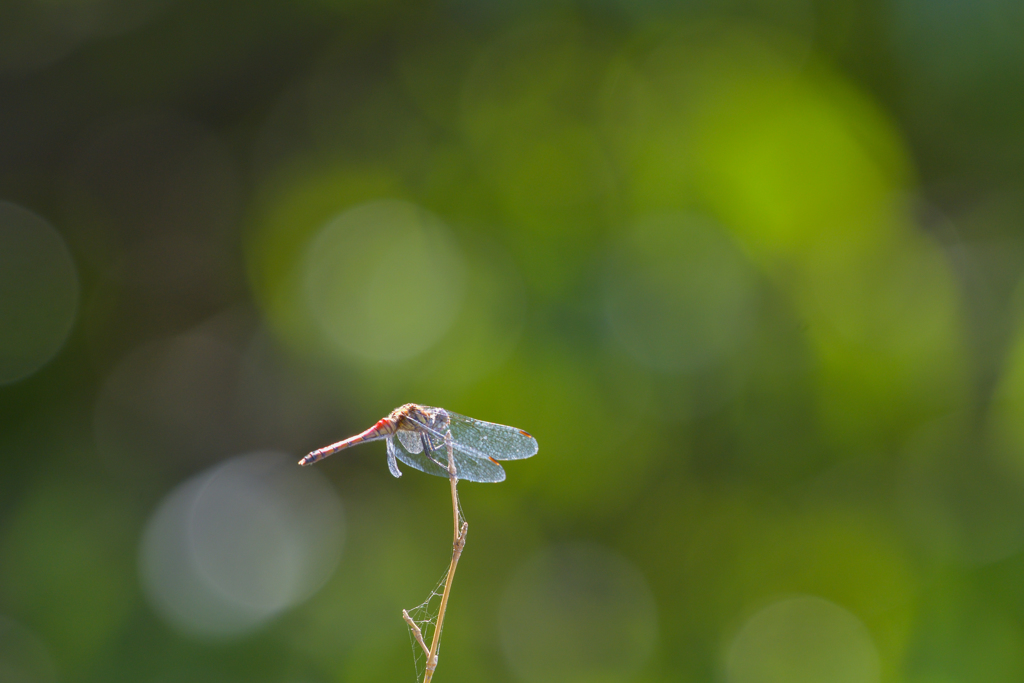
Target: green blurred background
[[749, 271]]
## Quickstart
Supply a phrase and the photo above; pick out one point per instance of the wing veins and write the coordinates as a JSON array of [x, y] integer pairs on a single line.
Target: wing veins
[[456, 446]]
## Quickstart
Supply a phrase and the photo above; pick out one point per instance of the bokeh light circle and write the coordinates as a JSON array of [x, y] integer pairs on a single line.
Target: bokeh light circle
[[232, 547], [384, 281], [38, 292], [577, 613], [803, 639], [679, 295]]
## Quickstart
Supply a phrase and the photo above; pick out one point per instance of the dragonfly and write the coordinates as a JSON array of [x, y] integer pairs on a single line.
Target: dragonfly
[[415, 435]]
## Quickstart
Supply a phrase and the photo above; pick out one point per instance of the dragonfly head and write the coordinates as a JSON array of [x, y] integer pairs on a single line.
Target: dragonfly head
[[439, 419]]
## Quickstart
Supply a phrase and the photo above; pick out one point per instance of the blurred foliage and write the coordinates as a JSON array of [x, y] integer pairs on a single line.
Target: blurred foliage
[[749, 271]]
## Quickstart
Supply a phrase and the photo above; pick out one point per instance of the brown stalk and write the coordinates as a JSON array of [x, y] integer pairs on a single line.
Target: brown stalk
[[458, 544]]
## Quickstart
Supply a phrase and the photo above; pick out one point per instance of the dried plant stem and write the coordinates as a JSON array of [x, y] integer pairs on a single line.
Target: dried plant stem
[[416, 632], [458, 544]]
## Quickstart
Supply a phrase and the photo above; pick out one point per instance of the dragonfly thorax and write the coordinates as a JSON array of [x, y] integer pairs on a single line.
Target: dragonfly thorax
[[407, 417]]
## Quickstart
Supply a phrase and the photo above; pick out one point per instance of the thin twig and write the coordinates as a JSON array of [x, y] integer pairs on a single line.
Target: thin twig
[[416, 632], [457, 545]]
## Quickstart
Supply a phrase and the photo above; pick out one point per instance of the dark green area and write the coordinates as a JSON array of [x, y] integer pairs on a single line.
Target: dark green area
[[748, 271]]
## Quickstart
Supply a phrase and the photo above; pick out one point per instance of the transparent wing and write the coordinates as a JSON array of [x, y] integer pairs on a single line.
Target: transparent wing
[[490, 440], [472, 463], [417, 458], [411, 448], [410, 440], [392, 454], [470, 468]]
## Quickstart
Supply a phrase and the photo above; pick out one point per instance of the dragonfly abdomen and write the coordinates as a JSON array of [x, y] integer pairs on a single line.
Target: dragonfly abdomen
[[380, 430]]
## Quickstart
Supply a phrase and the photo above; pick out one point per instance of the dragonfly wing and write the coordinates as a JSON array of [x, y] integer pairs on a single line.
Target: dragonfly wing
[[392, 454], [491, 440], [410, 440], [472, 468], [471, 464], [403, 449]]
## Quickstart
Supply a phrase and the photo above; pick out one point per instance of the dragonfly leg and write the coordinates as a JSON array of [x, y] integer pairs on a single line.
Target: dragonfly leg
[[429, 450]]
